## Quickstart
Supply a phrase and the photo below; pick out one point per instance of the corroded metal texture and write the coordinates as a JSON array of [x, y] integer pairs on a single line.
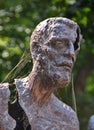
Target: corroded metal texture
[[6, 121]]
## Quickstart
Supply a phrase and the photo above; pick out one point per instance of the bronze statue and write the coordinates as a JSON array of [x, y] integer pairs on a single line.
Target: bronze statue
[[54, 45]]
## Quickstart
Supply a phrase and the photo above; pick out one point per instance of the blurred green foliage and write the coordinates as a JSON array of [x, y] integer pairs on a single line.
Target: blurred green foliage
[[17, 21]]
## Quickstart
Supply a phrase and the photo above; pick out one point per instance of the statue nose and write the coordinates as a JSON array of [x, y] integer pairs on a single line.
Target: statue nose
[[70, 52]]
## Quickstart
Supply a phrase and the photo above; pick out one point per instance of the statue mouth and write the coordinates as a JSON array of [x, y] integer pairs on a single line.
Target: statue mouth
[[66, 65]]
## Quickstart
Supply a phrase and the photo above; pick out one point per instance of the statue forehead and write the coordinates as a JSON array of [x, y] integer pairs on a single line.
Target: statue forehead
[[61, 31], [57, 27], [56, 22]]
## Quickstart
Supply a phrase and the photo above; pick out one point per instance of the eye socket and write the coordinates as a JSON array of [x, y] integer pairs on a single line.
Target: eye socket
[[59, 45]]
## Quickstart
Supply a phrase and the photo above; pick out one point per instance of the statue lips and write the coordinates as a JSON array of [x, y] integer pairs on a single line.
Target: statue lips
[[67, 65]]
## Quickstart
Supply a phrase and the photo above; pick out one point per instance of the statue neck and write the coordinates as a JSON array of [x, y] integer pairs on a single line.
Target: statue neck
[[40, 92]]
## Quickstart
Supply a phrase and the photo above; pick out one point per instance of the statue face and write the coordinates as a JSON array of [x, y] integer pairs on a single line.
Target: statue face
[[60, 55], [55, 43]]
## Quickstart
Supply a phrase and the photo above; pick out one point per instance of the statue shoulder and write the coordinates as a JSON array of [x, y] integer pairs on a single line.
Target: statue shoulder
[[21, 82], [4, 90], [61, 105], [4, 85], [67, 114], [23, 88]]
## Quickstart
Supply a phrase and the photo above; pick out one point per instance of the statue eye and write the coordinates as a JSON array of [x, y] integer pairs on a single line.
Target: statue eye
[[60, 45]]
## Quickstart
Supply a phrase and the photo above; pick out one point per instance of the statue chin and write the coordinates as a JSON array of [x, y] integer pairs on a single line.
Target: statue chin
[[63, 80]]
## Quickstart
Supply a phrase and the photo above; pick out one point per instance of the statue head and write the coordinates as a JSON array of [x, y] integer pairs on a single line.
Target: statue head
[[54, 45]]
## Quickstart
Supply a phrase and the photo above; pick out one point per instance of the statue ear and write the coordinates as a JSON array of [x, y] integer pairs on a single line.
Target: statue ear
[[78, 34], [77, 42], [36, 52]]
